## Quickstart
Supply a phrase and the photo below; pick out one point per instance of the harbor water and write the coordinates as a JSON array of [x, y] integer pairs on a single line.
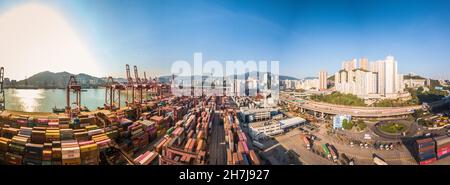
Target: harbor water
[[44, 100]]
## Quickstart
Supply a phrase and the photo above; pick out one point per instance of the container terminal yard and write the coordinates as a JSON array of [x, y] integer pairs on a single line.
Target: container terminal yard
[[154, 127]]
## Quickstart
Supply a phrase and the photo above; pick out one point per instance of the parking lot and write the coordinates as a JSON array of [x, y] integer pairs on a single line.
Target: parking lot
[[360, 155]]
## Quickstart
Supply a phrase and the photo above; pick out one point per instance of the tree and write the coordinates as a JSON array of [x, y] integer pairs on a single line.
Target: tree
[[347, 125], [361, 125]]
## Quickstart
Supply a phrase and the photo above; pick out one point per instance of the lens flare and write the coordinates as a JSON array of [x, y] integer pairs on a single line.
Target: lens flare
[[36, 38]]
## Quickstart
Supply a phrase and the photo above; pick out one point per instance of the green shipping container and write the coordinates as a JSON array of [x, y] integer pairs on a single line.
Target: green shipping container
[[325, 149]]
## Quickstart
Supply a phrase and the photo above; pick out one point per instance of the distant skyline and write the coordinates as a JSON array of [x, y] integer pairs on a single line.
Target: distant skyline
[[100, 37]]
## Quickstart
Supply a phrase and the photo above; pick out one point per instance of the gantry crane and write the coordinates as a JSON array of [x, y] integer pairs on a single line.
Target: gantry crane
[[112, 94], [147, 86], [138, 87], [2, 92], [73, 86], [129, 86]]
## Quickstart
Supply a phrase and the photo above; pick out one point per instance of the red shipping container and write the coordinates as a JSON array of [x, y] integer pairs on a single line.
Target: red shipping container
[[443, 152], [427, 161], [444, 147], [426, 149]]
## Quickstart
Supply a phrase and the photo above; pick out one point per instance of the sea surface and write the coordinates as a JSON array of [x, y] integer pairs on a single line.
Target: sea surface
[[44, 100]]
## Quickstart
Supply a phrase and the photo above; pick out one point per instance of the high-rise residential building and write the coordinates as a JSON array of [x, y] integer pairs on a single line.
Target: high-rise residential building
[[364, 64], [323, 77], [375, 79], [349, 65]]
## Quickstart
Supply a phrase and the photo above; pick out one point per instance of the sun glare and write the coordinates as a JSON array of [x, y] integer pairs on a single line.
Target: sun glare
[[36, 38]]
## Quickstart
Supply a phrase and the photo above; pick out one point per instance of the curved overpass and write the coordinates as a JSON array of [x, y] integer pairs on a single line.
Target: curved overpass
[[354, 111]]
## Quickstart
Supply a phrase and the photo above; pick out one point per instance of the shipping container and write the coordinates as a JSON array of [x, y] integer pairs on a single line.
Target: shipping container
[[428, 161], [442, 140], [326, 151], [422, 143]]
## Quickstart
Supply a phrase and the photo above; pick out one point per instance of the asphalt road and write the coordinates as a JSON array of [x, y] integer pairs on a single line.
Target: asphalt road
[[351, 110], [217, 150]]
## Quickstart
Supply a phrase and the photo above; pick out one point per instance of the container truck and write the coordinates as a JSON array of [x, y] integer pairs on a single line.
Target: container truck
[[333, 153], [307, 143], [326, 151], [347, 160], [378, 161]]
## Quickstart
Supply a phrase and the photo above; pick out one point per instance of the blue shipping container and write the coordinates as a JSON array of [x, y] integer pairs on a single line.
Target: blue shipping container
[[427, 156], [423, 145]]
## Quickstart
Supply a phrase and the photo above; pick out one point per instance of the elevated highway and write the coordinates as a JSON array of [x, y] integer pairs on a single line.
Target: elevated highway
[[354, 111]]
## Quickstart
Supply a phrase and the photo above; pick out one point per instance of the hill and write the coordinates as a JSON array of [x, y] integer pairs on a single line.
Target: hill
[[49, 79]]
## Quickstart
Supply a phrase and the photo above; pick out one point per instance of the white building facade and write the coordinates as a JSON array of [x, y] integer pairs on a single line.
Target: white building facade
[[381, 80]]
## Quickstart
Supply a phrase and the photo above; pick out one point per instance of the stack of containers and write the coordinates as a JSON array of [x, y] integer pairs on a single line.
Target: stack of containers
[[138, 137], [33, 154], [4, 142], [22, 122], [426, 152], [66, 134], [64, 122], [74, 123], [53, 123], [9, 132], [148, 158], [52, 134], [150, 128], [254, 158], [81, 135], [47, 154], [42, 122], [56, 153], [102, 141], [16, 150], [89, 153], [159, 145], [112, 132], [70, 152], [180, 134], [31, 122], [25, 131], [442, 146], [38, 135], [86, 120]]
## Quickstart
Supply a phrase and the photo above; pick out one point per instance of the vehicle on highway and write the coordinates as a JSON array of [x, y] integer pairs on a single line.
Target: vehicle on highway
[[378, 160]]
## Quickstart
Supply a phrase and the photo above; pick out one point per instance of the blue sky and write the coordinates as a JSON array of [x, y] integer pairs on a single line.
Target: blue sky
[[305, 36]]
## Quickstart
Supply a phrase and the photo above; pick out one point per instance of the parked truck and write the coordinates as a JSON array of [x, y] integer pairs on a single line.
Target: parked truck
[[333, 152], [307, 142], [326, 151], [378, 160], [346, 160]]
